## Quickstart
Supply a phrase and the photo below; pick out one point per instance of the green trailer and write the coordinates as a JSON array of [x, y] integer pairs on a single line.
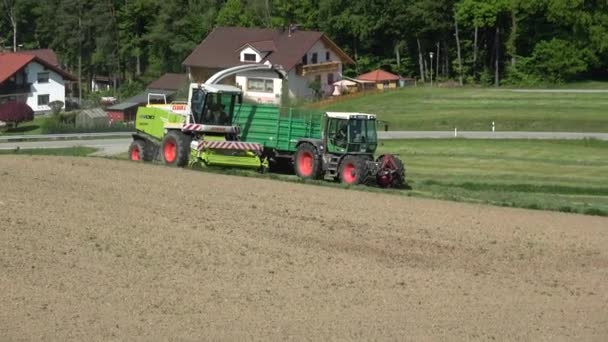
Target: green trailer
[[318, 144]]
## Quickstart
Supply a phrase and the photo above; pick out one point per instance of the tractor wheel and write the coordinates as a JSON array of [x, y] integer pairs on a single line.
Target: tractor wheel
[[307, 162], [353, 170], [141, 150], [175, 148], [397, 175]]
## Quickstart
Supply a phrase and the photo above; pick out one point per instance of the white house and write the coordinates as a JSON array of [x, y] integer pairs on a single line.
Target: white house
[[30, 77], [309, 57]]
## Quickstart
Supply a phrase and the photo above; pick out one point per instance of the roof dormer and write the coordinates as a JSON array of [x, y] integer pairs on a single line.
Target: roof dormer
[[255, 52]]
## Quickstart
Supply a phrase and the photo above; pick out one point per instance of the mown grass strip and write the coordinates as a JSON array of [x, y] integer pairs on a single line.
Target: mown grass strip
[[78, 151]]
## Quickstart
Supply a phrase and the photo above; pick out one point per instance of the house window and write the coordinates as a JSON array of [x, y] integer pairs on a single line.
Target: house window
[[43, 100], [305, 59], [327, 57], [249, 57], [314, 58], [330, 78], [260, 85], [43, 77]]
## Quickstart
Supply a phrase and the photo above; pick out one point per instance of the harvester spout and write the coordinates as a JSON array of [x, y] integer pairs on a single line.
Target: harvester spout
[[219, 76]]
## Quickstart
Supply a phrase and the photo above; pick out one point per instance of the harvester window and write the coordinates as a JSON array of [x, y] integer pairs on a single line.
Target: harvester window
[[198, 101]]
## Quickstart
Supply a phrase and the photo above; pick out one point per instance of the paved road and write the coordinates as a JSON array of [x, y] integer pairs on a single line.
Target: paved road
[[107, 147], [119, 145]]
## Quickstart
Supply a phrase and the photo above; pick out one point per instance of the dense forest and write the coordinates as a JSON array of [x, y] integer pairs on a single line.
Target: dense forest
[[497, 42]]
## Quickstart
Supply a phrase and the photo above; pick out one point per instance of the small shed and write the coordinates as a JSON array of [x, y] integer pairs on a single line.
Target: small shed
[[95, 117], [127, 109], [380, 78]]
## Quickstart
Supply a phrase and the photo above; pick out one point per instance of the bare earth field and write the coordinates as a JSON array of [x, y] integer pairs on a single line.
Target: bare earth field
[[95, 249]]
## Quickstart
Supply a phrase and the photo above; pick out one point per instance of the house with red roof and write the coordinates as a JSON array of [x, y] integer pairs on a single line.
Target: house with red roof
[[306, 56], [33, 77], [380, 79]]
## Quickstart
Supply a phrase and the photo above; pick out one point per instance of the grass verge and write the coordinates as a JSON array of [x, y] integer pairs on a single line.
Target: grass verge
[[68, 151], [474, 109]]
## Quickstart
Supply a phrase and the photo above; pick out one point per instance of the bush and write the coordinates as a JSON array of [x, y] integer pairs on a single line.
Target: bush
[[56, 107], [558, 60], [15, 112]]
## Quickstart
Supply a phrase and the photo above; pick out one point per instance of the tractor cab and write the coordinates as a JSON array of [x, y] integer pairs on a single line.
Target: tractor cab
[[213, 104], [352, 133]]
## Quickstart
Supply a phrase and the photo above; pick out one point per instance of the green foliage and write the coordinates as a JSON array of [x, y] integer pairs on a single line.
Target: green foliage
[[139, 40], [130, 89], [56, 107], [559, 60]]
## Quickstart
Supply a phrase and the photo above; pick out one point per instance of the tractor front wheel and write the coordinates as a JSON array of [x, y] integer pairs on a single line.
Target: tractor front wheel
[[175, 148], [392, 172], [307, 162], [353, 170]]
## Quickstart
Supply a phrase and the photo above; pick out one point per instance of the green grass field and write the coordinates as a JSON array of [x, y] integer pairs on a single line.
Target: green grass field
[[474, 109], [569, 176], [68, 151]]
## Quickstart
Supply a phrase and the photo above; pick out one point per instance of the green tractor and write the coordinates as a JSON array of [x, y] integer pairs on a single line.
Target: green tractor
[[316, 145], [345, 152]]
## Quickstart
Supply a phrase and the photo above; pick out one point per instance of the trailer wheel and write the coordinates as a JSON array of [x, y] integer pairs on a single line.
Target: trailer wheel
[[353, 170], [392, 172], [307, 162], [176, 148]]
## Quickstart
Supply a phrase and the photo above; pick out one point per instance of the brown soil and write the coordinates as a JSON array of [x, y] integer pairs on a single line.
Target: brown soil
[[95, 249]]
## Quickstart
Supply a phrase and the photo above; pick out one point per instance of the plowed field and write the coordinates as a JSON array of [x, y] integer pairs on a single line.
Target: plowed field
[[95, 249]]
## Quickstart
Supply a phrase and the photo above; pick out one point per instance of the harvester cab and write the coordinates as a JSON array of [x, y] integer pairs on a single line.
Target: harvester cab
[[345, 152]]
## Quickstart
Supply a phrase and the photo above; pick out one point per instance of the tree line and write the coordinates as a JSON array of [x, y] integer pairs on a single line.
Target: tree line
[[496, 42]]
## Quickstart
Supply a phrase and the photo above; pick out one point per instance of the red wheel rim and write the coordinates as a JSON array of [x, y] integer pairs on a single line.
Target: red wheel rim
[[170, 150], [348, 173], [305, 163], [135, 153]]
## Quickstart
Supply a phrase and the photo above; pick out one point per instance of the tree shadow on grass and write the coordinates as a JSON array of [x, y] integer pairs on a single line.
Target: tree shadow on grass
[[22, 129]]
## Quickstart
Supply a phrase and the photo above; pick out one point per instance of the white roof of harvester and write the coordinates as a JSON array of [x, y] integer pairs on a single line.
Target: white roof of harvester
[[217, 88], [350, 115]]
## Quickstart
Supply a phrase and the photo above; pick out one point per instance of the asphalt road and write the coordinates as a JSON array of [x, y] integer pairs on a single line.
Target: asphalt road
[[112, 146]]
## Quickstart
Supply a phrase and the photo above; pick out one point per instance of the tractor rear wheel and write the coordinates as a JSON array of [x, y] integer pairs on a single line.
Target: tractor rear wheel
[[307, 162], [175, 148], [353, 170], [141, 150]]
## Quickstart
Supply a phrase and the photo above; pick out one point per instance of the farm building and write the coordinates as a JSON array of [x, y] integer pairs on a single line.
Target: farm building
[[95, 117], [306, 56], [380, 79], [33, 77], [167, 86]]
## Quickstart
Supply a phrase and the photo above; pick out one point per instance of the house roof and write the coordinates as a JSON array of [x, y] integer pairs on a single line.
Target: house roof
[[140, 99], [170, 81], [263, 45], [378, 76], [44, 54], [11, 63], [218, 50]]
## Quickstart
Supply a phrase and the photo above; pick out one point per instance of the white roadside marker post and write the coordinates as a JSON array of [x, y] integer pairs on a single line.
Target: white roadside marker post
[[493, 127], [455, 132]]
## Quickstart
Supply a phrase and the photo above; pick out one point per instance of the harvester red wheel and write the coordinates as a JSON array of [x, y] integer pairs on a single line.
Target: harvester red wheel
[[307, 162], [391, 173], [141, 150], [353, 170], [176, 148]]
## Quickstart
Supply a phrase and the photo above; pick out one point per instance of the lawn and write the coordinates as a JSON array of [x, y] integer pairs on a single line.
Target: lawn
[[474, 109], [68, 151], [555, 175], [26, 128]]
